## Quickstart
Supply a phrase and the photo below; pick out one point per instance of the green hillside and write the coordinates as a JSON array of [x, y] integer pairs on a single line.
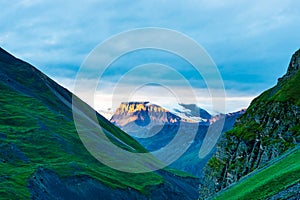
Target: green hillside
[[34, 136], [268, 129], [37, 131], [260, 184]]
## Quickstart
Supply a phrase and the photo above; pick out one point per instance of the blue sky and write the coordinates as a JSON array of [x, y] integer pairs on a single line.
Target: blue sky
[[251, 42]]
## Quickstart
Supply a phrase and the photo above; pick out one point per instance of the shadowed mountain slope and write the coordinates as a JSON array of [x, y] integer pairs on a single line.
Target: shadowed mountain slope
[[42, 156]]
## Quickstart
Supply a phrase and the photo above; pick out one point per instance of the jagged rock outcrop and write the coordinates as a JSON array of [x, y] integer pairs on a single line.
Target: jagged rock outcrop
[[293, 68], [268, 128]]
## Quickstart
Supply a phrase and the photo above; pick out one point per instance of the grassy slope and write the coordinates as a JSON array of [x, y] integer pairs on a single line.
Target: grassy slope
[[288, 90], [283, 173], [50, 140], [37, 130], [267, 182]]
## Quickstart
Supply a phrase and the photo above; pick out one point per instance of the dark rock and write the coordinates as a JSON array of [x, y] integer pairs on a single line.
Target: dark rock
[[291, 193], [11, 153], [2, 135], [45, 184]]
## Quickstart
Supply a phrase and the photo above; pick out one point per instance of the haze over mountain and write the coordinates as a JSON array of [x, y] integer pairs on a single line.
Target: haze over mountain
[[42, 156], [154, 127]]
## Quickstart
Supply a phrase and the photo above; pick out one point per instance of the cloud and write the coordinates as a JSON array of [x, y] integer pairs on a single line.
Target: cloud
[[234, 100], [251, 42], [108, 97]]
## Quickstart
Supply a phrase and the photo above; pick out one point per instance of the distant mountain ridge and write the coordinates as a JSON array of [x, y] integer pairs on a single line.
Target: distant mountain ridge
[[147, 115], [142, 113], [154, 127], [146, 112]]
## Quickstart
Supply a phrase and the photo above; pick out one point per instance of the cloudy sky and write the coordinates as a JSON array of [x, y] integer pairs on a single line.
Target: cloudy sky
[[250, 42]]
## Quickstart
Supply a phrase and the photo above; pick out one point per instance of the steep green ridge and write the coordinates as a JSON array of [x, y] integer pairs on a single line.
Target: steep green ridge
[[269, 128], [263, 184], [37, 131], [37, 137], [287, 90]]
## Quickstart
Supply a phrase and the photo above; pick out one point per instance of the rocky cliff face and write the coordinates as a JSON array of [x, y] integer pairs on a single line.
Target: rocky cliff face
[[293, 68], [268, 128]]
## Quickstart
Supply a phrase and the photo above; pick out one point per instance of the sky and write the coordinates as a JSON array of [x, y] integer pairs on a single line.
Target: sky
[[250, 42]]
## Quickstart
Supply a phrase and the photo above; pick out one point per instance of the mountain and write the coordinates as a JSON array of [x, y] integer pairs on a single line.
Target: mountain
[[154, 127], [230, 118], [42, 156], [139, 118], [142, 114], [268, 129]]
